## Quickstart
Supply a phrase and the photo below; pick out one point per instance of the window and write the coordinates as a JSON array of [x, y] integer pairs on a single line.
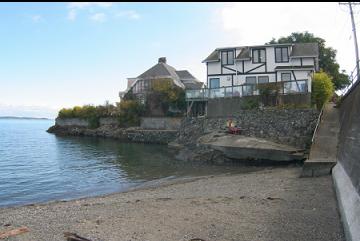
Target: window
[[263, 79], [227, 57], [250, 85], [285, 77], [258, 56], [214, 83], [250, 80], [281, 54]]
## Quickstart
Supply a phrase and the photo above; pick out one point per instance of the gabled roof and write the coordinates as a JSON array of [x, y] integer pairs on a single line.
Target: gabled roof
[[189, 80], [181, 78], [162, 70], [214, 56], [244, 53], [298, 50], [305, 50]]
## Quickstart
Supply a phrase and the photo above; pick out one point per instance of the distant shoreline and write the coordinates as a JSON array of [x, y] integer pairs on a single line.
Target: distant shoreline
[[24, 118]]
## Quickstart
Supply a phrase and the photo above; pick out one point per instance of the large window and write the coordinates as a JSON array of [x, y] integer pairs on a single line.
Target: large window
[[227, 57], [250, 85], [258, 56], [281, 54]]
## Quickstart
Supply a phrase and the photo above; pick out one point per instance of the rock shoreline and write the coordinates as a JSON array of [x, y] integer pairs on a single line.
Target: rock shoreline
[[133, 134]]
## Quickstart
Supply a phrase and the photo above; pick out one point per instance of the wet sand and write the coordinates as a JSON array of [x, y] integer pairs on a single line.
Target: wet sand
[[271, 204]]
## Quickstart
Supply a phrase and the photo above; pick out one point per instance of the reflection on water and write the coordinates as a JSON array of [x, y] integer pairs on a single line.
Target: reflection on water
[[36, 166]]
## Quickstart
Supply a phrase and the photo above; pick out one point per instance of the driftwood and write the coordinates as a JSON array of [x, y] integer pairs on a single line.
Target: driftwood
[[13, 232], [74, 237]]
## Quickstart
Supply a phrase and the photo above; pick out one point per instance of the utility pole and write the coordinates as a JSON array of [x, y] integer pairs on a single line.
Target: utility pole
[[355, 38]]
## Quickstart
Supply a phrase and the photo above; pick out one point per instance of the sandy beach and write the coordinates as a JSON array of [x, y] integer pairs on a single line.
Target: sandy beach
[[271, 204]]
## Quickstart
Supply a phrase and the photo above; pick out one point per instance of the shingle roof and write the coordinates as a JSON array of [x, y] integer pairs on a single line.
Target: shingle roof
[[181, 78], [244, 53], [298, 50], [184, 74], [162, 70], [305, 49], [214, 56], [189, 80]]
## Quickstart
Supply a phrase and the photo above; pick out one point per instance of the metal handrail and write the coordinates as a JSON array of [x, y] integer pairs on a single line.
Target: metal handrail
[[318, 123], [205, 93]]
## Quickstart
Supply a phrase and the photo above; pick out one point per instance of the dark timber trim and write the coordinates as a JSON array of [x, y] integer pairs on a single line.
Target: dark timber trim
[[297, 84], [261, 65]]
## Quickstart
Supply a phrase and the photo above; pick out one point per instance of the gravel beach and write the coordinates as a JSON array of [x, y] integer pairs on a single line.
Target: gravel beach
[[271, 204]]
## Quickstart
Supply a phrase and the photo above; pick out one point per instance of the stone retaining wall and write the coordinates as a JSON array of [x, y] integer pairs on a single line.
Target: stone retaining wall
[[160, 123], [286, 126], [71, 122]]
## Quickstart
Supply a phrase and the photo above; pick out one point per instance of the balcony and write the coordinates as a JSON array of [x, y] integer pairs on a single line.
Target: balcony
[[284, 88]]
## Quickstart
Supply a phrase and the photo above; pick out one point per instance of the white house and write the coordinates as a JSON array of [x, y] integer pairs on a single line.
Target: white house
[[246, 66]]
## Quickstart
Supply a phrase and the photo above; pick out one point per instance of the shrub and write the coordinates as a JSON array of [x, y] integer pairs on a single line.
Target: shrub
[[322, 89], [170, 97], [130, 112], [251, 103], [89, 112]]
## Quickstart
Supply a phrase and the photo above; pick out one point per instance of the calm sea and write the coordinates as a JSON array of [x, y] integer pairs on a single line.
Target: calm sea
[[36, 166]]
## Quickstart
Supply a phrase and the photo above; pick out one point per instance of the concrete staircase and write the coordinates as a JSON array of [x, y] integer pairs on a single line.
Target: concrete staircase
[[323, 150]]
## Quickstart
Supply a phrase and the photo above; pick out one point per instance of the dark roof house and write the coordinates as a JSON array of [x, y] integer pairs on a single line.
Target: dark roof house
[[181, 78]]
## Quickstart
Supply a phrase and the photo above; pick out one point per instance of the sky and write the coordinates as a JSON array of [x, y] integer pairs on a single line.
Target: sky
[[55, 55]]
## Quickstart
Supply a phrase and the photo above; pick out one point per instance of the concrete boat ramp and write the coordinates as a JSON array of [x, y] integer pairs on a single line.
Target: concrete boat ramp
[[250, 148]]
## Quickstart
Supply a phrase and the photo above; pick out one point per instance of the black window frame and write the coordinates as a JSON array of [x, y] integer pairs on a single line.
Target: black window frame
[[210, 87], [258, 55], [281, 77], [281, 55], [227, 57]]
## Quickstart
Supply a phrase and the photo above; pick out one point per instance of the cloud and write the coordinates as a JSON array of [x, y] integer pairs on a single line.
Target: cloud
[[89, 4], [37, 18], [98, 17], [257, 23], [72, 15], [130, 14]]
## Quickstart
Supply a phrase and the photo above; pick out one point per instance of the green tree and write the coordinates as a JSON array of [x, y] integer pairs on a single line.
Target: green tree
[[169, 96], [327, 56], [322, 89], [130, 112]]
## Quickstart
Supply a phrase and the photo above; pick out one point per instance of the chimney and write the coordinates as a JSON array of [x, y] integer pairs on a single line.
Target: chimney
[[162, 60]]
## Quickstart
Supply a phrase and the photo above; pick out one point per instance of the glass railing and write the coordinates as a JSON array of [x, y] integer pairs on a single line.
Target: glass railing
[[286, 87]]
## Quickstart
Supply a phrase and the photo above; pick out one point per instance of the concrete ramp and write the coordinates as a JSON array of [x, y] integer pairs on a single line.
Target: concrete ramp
[[250, 148], [322, 157]]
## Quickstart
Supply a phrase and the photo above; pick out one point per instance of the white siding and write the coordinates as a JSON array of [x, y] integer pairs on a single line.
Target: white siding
[[308, 61], [214, 67], [215, 70]]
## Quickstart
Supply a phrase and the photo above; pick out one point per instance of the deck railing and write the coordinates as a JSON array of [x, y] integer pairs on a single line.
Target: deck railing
[[286, 87]]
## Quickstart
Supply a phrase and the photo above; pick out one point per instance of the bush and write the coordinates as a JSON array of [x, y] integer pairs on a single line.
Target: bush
[[251, 103], [322, 89], [170, 97], [130, 112], [89, 112]]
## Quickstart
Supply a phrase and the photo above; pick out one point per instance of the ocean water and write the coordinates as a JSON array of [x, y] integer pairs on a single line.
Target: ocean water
[[36, 166]]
